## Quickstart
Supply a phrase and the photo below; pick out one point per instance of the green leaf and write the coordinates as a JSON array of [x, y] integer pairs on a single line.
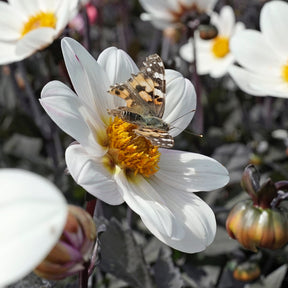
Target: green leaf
[[121, 256], [274, 279], [166, 274]]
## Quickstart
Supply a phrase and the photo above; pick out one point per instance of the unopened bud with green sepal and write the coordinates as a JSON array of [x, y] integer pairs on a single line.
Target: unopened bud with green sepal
[[259, 222]]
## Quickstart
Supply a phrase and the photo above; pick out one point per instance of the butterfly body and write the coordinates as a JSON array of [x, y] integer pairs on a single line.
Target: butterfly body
[[144, 94], [138, 119]]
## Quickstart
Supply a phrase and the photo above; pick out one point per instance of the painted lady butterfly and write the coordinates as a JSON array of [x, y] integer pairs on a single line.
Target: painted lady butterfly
[[144, 94]]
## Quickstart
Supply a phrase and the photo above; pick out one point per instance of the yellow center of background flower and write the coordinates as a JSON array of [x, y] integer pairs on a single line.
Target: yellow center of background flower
[[285, 73], [130, 151], [41, 19], [220, 47]]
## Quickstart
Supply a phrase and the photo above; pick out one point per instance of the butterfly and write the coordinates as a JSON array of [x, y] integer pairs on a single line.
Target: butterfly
[[144, 94]]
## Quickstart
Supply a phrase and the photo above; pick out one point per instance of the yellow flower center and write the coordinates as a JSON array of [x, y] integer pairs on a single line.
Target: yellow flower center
[[220, 47], [41, 19], [285, 72], [129, 151]]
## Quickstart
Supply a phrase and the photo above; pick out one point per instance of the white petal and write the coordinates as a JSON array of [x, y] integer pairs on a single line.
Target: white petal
[[186, 51], [220, 67], [8, 54], [89, 172], [145, 17], [204, 5], [205, 63], [227, 21], [180, 102], [159, 23], [215, 19], [239, 26], [28, 9], [205, 58], [245, 80], [245, 46], [47, 5], [88, 77], [66, 10], [118, 66], [274, 25], [144, 200], [272, 87], [193, 215], [33, 213], [161, 8], [191, 172], [35, 40], [10, 22], [64, 106], [259, 85]]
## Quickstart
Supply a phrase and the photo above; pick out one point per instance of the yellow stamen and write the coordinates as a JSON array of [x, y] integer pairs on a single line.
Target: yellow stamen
[[220, 47], [41, 19], [285, 72], [131, 152]]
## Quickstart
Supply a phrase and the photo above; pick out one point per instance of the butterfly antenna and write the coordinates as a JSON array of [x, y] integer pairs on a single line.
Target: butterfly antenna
[[194, 134], [189, 132], [183, 115]]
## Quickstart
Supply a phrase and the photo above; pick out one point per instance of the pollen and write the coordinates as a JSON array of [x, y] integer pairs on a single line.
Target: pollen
[[131, 152], [285, 72], [220, 47], [41, 19]]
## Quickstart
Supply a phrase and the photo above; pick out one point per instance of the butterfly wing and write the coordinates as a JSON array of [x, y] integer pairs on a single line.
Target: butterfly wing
[[134, 102], [154, 69], [144, 92], [157, 137]]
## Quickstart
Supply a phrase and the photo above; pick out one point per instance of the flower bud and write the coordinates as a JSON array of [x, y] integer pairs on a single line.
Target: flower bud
[[247, 271], [259, 222], [73, 248], [255, 227], [207, 31]]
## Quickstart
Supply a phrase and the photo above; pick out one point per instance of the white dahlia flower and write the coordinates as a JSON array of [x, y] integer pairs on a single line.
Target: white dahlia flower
[[115, 165]]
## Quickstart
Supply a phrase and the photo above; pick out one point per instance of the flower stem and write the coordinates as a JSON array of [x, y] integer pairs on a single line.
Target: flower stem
[[45, 125], [83, 279], [84, 274], [94, 258], [90, 206], [87, 38], [34, 104], [154, 41], [165, 47], [122, 25]]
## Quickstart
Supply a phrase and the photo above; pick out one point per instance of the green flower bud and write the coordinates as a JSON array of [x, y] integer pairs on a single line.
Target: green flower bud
[[247, 271], [256, 227], [259, 222]]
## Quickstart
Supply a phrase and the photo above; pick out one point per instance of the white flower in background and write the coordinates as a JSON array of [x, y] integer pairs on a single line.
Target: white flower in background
[[263, 55], [214, 56], [32, 216], [165, 13], [115, 165], [28, 26], [84, 2]]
